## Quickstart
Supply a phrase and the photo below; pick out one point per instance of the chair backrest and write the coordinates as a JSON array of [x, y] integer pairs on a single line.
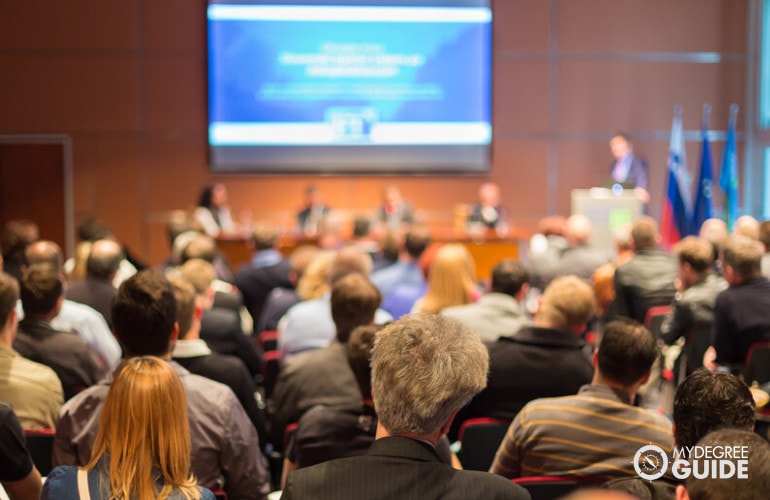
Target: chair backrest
[[550, 487], [40, 446], [271, 367], [757, 363], [698, 342], [479, 440], [654, 318]]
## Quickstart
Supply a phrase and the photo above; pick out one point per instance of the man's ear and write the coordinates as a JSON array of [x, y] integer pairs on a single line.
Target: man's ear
[[174, 332], [681, 493]]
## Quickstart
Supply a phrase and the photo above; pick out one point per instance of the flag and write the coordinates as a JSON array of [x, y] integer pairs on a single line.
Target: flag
[[704, 197], [676, 219], [728, 176]]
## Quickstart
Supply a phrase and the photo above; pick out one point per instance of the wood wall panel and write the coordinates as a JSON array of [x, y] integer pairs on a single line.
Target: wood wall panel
[[126, 80]]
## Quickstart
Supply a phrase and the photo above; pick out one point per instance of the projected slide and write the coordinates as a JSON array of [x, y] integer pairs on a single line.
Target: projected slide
[[344, 77]]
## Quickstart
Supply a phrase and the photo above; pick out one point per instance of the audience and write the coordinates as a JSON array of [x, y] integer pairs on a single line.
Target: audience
[[309, 325], [95, 289], [747, 226], [754, 486], [450, 280], [424, 369], [142, 448], [18, 475], [407, 270], [546, 359], [578, 258], [693, 305], [647, 279], [263, 243], [74, 362], [502, 311], [764, 238], [194, 354], [74, 317], [33, 389], [220, 326], [225, 449], [742, 312], [597, 432], [305, 278], [17, 235], [704, 402], [323, 376], [715, 232]]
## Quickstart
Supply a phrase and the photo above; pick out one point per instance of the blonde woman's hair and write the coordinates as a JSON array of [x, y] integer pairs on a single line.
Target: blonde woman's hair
[[450, 279], [314, 282], [82, 251], [143, 426]]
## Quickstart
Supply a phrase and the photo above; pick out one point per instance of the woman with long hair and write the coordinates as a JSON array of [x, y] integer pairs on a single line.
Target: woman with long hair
[[212, 214], [450, 280], [142, 448]]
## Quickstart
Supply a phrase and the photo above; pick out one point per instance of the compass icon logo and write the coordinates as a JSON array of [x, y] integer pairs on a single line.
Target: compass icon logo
[[650, 462]]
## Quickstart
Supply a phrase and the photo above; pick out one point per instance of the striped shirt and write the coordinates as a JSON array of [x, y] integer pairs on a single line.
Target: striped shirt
[[595, 433]]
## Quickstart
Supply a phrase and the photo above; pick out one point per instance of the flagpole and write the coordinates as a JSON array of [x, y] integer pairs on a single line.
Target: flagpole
[[706, 117]]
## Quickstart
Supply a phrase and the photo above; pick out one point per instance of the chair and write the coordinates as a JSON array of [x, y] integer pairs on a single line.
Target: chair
[[40, 446], [479, 440], [654, 318], [550, 487], [271, 367], [268, 340], [757, 363], [219, 494]]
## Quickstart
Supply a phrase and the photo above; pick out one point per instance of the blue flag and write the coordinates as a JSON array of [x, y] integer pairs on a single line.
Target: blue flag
[[728, 176], [704, 198]]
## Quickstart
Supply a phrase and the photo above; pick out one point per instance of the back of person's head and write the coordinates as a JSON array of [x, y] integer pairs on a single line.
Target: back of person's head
[[390, 243], [752, 448], [178, 223], [200, 273], [104, 259], [626, 352], [508, 276], [552, 225], [715, 232], [92, 230], [44, 252], [300, 258], [644, 233], [696, 252], [450, 278], [143, 428], [41, 289], [17, 235], [349, 260], [143, 314], [314, 281], [603, 287], [744, 256], [361, 227], [264, 237], [567, 304], [578, 229], [185, 295], [747, 226], [201, 247], [425, 367], [354, 301], [417, 240], [764, 234], [9, 295], [204, 200], [360, 347], [707, 401]]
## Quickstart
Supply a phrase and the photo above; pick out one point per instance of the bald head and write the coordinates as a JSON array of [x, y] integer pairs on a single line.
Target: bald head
[[44, 252], [104, 259], [489, 194], [578, 230]]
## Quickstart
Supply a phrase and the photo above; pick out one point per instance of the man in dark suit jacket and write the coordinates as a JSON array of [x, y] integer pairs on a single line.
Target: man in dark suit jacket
[[424, 369], [95, 289], [628, 167]]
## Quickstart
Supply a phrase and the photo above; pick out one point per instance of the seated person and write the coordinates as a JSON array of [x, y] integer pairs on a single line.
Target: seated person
[[142, 449], [488, 212], [548, 437], [212, 215], [424, 368], [18, 474], [309, 219], [395, 211]]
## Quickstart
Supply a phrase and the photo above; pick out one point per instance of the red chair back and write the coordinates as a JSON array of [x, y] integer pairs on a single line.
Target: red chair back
[[479, 439]]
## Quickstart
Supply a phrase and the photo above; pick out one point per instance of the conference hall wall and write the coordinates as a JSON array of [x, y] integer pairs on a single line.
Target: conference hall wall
[[126, 80]]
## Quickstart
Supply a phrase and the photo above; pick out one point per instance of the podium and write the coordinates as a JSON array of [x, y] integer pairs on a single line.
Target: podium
[[607, 209]]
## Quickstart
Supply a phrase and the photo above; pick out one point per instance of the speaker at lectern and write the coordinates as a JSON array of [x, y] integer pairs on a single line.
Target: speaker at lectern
[[607, 209]]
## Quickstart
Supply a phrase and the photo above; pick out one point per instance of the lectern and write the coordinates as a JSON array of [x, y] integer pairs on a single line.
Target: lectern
[[607, 209]]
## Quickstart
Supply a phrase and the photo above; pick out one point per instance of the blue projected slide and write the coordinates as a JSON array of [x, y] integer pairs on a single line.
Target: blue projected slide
[[349, 88]]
